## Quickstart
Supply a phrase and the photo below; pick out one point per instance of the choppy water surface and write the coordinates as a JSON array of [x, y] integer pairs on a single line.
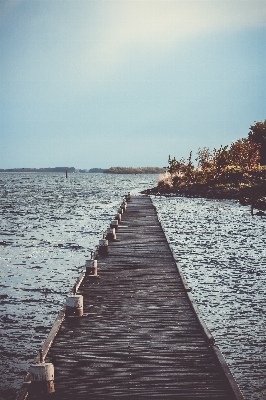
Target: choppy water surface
[[49, 226], [221, 250]]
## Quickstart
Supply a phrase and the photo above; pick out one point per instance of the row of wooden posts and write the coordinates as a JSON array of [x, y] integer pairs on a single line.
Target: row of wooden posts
[[42, 373]]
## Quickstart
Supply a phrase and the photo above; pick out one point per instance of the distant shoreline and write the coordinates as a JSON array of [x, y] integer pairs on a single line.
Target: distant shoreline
[[112, 170], [56, 169], [138, 170]]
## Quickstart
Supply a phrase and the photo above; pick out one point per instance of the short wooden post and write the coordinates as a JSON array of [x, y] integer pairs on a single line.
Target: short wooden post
[[118, 217], [103, 247], [114, 224], [128, 196], [42, 380], [124, 206], [120, 211], [91, 267], [110, 234], [74, 305]]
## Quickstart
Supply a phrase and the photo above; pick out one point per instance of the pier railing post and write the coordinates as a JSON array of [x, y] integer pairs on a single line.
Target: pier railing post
[[124, 205], [118, 217], [110, 234], [91, 267], [114, 224], [103, 247], [74, 305], [42, 380]]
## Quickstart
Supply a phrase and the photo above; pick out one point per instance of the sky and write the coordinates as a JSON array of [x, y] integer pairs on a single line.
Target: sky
[[127, 83]]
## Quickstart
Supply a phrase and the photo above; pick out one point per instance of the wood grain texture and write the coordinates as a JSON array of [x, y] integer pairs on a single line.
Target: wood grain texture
[[141, 337]]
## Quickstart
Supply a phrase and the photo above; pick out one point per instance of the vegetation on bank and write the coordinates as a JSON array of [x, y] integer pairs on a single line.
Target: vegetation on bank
[[237, 171], [96, 170], [139, 170]]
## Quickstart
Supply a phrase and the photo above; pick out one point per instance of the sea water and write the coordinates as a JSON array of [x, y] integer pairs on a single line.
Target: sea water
[[220, 248], [50, 225]]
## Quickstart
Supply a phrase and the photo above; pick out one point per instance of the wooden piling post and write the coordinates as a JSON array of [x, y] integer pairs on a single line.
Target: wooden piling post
[[123, 206], [118, 217], [42, 380], [103, 247], [91, 267], [74, 305], [114, 224], [110, 234]]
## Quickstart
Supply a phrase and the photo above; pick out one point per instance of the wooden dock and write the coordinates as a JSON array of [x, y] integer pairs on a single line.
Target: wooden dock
[[141, 336]]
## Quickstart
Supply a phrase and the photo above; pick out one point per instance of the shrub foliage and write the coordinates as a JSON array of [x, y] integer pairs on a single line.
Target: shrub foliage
[[222, 165]]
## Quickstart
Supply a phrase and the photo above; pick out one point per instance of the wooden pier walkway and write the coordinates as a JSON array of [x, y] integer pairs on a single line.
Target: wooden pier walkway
[[140, 337]]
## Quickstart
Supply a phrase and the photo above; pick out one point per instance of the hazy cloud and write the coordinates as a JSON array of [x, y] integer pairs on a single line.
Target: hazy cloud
[[87, 41], [158, 24]]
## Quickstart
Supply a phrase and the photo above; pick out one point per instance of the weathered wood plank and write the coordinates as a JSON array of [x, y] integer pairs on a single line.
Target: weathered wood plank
[[141, 337]]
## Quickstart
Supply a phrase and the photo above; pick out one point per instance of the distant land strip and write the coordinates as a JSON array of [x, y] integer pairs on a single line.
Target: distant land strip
[[112, 170], [130, 170], [55, 169]]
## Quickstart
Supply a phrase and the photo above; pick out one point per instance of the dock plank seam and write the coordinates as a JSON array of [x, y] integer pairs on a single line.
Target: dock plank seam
[[143, 336]]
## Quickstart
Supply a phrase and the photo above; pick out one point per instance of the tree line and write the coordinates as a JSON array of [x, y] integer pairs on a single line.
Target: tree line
[[225, 164], [131, 170]]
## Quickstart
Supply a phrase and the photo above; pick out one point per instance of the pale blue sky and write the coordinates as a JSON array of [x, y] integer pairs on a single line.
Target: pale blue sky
[[126, 83]]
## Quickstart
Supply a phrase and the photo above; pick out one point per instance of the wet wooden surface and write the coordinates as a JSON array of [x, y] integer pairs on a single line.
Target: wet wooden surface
[[140, 338]]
